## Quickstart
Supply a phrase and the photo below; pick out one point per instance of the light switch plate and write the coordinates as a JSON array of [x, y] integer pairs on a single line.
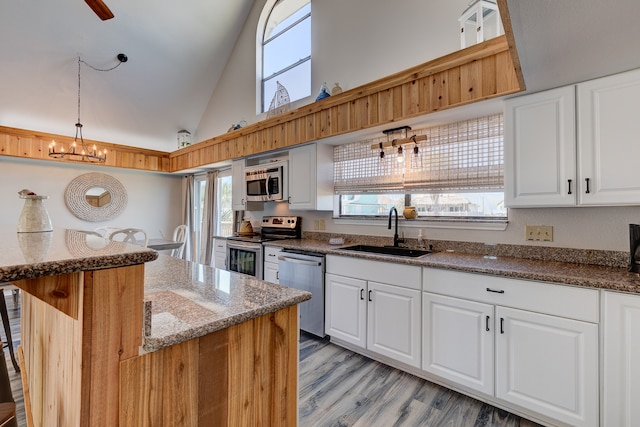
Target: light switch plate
[[542, 233]]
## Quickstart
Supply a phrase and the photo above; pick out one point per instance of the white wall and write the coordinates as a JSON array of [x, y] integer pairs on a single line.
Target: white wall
[[154, 200], [353, 43]]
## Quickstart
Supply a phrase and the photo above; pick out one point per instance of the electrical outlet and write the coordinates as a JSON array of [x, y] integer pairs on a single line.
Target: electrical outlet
[[542, 233], [315, 224], [321, 224]]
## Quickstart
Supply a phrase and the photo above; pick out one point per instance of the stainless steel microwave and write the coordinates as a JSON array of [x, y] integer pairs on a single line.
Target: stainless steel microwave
[[268, 182]]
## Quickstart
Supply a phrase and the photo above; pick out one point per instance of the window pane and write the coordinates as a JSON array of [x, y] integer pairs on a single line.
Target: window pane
[[284, 8], [286, 49], [296, 80], [370, 204], [224, 219], [476, 205]]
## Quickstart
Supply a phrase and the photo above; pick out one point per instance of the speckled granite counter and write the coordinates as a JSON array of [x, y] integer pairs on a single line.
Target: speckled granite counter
[[31, 255], [595, 276], [191, 300]]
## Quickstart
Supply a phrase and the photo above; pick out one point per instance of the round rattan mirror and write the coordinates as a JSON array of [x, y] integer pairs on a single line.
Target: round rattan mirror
[[85, 196]]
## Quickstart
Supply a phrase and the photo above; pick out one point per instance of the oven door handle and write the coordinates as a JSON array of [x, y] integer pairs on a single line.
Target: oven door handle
[[299, 261]]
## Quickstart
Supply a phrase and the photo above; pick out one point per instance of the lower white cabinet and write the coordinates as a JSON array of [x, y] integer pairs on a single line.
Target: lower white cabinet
[[220, 253], [458, 341], [548, 364], [529, 344], [621, 376], [364, 311], [270, 268]]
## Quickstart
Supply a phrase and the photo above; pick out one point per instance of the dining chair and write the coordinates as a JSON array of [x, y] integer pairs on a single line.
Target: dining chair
[[179, 235], [134, 236], [106, 230]]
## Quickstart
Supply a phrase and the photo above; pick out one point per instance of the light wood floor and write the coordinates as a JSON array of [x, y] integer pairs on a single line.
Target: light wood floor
[[342, 388], [339, 388]]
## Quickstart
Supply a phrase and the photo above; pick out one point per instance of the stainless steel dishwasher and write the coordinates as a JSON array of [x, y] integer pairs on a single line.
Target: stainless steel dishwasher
[[305, 270]]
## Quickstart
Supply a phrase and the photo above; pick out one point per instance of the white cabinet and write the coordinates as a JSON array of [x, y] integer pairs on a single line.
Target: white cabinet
[[540, 149], [608, 127], [548, 364], [574, 145], [374, 305], [311, 177], [545, 335], [621, 363], [270, 268], [346, 309], [220, 253], [458, 341], [238, 190]]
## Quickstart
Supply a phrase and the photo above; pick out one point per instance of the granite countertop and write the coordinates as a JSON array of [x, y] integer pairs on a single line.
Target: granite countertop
[[184, 300], [61, 251], [569, 273]]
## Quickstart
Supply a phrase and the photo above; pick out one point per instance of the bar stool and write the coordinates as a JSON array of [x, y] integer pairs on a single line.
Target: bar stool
[[7, 404], [7, 327]]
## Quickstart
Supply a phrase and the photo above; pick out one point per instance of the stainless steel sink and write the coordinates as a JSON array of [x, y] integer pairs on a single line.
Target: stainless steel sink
[[387, 250]]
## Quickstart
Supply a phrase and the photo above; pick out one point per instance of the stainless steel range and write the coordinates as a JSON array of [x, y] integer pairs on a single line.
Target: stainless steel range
[[245, 253]]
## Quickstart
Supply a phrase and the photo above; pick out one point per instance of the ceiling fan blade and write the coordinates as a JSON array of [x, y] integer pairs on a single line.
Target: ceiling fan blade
[[100, 9]]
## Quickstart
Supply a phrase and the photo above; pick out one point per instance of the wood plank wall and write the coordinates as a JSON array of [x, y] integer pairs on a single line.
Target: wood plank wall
[[245, 375], [35, 145], [479, 72]]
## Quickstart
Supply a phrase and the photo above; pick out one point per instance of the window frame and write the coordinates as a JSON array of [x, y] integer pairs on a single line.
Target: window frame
[[261, 101]]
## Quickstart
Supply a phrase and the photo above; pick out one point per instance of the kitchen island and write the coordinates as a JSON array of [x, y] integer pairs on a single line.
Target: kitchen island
[[107, 340]]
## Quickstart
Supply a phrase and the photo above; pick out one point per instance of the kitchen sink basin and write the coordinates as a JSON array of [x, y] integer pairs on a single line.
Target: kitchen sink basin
[[387, 250]]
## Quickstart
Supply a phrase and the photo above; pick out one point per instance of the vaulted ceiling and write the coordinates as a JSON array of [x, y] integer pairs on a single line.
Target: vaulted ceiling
[[178, 50]]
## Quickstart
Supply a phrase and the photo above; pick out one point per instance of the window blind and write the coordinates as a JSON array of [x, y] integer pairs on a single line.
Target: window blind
[[466, 155]]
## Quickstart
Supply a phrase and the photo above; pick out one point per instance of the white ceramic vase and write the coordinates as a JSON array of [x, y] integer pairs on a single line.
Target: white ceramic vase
[[34, 217]]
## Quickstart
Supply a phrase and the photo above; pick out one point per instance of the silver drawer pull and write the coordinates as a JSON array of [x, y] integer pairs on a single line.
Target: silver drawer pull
[[497, 291]]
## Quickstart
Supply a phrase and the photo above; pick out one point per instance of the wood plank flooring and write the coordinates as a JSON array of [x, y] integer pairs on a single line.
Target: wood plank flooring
[[339, 388]]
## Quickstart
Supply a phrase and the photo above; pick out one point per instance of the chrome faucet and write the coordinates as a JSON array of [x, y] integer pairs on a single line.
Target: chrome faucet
[[395, 234]]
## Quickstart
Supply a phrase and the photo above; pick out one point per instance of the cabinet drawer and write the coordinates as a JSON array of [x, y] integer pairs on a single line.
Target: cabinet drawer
[[220, 245], [271, 253], [555, 299], [407, 276]]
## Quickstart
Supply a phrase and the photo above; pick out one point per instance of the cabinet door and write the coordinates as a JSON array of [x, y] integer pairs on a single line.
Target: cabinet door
[[548, 364], [220, 260], [608, 151], [270, 272], [311, 177], [621, 360], [302, 177], [237, 185], [540, 149], [393, 326], [458, 339], [346, 309]]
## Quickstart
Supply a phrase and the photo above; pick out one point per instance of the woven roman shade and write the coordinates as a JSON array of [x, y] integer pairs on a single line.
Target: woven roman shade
[[461, 156]]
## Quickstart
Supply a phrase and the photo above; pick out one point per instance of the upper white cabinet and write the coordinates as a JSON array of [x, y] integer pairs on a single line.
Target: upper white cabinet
[[238, 200], [621, 365], [238, 189], [574, 145], [311, 177], [540, 149], [608, 128]]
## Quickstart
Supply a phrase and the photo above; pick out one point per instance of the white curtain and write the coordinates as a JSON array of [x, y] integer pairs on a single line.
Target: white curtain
[[209, 214], [189, 218]]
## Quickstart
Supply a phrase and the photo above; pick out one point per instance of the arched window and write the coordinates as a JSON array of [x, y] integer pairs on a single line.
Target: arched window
[[284, 50]]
